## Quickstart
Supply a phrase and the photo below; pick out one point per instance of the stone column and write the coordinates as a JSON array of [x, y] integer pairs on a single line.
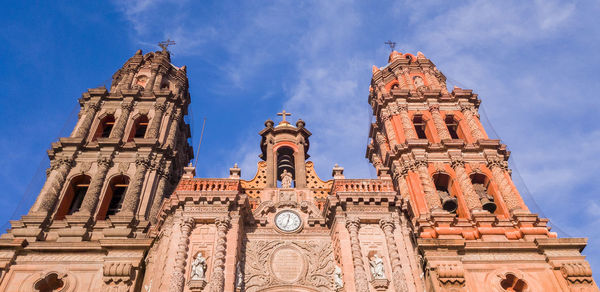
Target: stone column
[[499, 168], [178, 279], [271, 165], [409, 130], [382, 143], [400, 177], [299, 165], [153, 130], [409, 82], [92, 195], [217, 279], [360, 276], [163, 183], [431, 196], [387, 225], [471, 197], [119, 129], [132, 197], [439, 123], [150, 85], [90, 114], [467, 111], [433, 82], [389, 128], [54, 184], [159, 78], [172, 136], [128, 79]]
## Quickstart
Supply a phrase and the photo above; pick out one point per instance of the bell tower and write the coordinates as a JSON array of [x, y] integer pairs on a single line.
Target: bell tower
[[107, 180], [285, 149], [470, 224]]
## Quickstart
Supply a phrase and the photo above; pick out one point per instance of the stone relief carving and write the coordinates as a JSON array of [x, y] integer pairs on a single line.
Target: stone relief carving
[[316, 256]]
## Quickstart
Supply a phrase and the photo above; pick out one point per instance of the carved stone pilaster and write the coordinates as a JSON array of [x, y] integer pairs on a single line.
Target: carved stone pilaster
[[439, 122], [386, 117], [467, 111], [400, 179], [471, 197], [84, 128], [382, 142], [153, 130], [54, 184], [92, 195], [387, 225], [409, 130], [119, 129], [132, 197], [161, 189], [431, 196], [217, 280], [498, 168], [360, 280], [174, 128], [150, 85], [178, 279]]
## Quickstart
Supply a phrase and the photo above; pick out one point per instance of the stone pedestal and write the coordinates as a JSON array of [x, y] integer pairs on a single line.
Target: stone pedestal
[[380, 284], [196, 285]]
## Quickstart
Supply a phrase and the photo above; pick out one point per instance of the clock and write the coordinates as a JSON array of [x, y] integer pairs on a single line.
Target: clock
[[288, 221]]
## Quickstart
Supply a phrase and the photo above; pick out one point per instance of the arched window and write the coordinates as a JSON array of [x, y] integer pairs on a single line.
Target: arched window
[[104, 127], [73, 197], [442, 183], [113, 199], [420, 126], [139, 128], [285, 164], [481, 184], [452, 126]]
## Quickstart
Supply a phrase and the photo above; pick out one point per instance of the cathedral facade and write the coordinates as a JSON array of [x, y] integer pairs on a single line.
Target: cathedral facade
[[121, 211]]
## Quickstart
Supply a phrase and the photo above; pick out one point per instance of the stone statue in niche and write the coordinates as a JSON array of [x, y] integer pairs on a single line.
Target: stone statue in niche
[[239, 276], [337, 278], [286, 179], [377, 269], [198, 267]]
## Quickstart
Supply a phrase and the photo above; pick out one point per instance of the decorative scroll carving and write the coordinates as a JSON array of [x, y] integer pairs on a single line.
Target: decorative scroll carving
[[317, 254], [117, 273], [451, 274], [387, 225], [577, 272], [353, 224]]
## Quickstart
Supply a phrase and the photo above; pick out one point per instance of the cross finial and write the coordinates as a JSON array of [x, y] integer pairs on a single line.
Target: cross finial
[[391, 44], [165, 44], [283, 113]]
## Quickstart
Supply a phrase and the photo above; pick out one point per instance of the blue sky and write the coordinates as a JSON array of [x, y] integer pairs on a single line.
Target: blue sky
[[533, 63]]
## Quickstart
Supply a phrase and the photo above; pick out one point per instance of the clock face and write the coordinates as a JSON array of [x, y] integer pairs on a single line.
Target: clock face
[[288, 221]]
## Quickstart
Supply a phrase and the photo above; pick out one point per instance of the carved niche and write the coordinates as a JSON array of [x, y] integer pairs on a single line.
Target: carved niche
[[302, 264]]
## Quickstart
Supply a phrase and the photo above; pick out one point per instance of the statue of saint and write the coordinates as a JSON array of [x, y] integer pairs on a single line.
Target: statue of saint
[[239, 276], [337, 278], [286, 179], [198, 267], [377, 270]]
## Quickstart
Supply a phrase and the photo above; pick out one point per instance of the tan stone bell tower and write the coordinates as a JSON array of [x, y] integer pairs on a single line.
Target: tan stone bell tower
[[285, 149], [471, 227], [105, 184]]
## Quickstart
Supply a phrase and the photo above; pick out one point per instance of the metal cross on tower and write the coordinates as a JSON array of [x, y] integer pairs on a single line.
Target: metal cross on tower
[[165, 44], [391, 44], [283, 113]]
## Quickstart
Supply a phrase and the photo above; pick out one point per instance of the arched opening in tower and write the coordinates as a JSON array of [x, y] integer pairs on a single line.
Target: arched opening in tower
[[286, 174], [73, 197], [481, 184], [442, 185]]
